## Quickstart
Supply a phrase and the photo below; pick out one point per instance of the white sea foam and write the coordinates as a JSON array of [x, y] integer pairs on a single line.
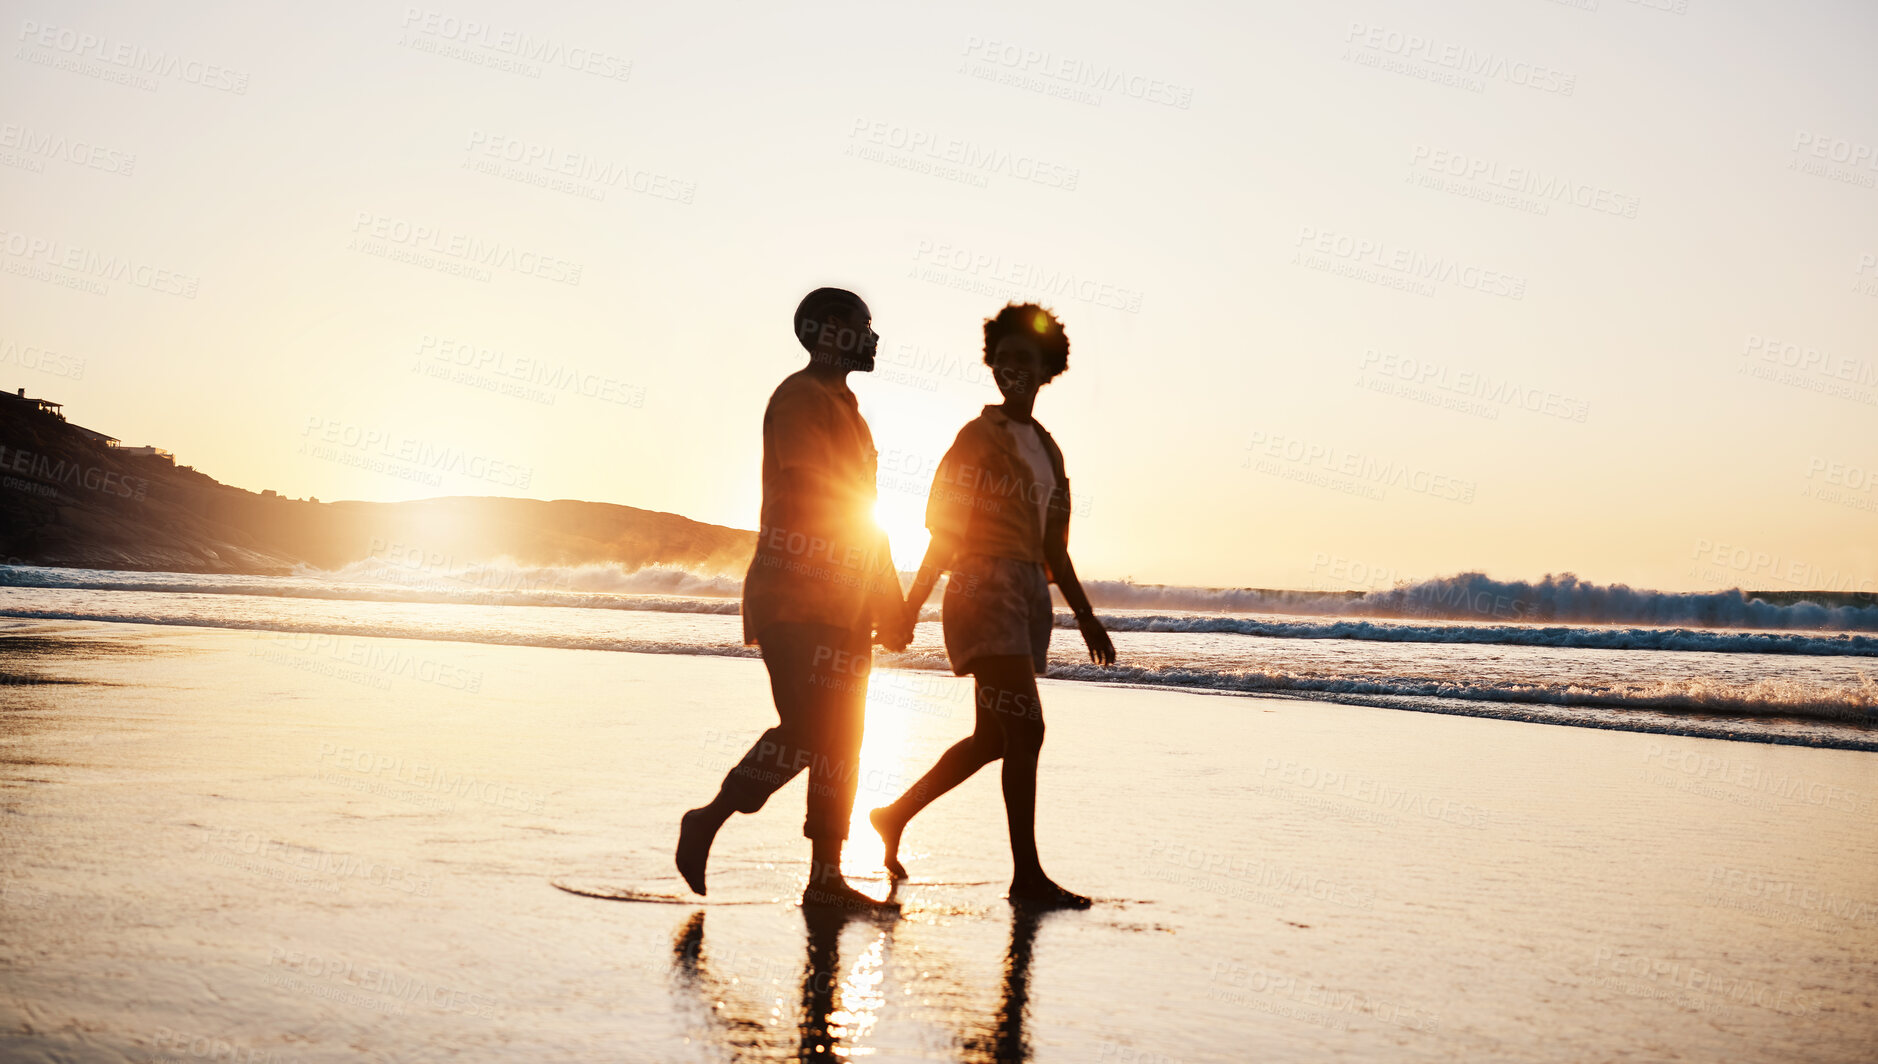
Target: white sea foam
[[1853, 701], [585, 587], [503, 575], [1765, 698]]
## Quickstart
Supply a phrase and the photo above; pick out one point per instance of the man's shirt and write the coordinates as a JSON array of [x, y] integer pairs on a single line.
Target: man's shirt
[[820, 556]]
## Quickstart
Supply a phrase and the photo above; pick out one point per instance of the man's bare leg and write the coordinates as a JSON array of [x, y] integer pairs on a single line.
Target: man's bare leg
[[775, 758], [697, 829], [828, 888]]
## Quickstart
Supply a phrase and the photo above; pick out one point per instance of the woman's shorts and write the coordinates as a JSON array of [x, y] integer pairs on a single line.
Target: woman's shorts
[[997, 606]]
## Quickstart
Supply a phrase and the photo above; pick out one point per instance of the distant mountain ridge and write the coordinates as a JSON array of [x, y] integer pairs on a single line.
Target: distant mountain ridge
[[69, 498]]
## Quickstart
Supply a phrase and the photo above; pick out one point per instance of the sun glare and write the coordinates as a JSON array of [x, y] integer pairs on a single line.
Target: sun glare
[[886, 748], [903, 518]]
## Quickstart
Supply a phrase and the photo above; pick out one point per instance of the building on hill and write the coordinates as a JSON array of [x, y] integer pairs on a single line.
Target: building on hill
[[40, 406], [47, 406], [96, 437]]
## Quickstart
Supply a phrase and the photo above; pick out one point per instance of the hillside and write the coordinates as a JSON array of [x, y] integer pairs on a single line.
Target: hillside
[[67, 499]]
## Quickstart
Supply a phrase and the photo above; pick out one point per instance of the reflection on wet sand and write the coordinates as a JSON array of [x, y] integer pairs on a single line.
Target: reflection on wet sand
[[24, 658], [1004, 1038], [835, 1010]]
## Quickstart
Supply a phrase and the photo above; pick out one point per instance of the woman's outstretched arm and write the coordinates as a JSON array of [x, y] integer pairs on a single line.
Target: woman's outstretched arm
[[1101, 647], [940, 554]]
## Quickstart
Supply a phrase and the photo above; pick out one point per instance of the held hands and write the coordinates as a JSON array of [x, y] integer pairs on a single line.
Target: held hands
[[1101, 648], [896, 631]]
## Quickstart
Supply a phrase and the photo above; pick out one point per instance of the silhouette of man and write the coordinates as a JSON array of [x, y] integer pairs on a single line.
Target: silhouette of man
[[819, 586]]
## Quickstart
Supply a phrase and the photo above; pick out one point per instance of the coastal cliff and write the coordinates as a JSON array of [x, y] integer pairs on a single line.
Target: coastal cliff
[[70, 497]]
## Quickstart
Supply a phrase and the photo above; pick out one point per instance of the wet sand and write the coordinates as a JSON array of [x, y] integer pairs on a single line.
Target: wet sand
[[227, 845]]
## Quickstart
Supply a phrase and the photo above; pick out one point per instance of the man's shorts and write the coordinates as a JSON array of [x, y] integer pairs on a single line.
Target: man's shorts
[[997, 606]]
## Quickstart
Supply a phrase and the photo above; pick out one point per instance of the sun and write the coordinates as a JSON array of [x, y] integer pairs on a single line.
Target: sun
[[903, 518]]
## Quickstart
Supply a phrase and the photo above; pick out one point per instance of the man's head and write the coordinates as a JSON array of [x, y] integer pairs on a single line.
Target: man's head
[[1026, 347], [835, 327]]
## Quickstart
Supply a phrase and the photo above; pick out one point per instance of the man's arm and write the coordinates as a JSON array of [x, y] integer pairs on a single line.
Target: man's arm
[[883, 592], [815, 516]]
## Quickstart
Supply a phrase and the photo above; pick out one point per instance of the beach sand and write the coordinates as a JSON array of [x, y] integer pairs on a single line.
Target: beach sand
[[226, 845]]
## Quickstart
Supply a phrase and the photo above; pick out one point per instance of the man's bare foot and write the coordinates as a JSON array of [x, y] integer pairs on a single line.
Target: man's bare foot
[[838, 895], [883, 822], [1041, 890], [696, 830]]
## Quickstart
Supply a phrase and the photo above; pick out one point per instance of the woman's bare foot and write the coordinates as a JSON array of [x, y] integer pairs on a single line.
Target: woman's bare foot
[[1041, 890], [889, 829], [838, 895]]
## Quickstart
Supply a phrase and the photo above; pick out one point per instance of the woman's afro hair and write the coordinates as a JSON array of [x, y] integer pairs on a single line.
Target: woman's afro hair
[[1030, 320]]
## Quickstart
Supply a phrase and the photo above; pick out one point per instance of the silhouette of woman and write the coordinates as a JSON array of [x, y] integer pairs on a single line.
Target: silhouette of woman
[[999, 516]]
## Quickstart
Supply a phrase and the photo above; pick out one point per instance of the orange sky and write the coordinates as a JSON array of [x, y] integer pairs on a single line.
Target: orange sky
[[1355, 294]]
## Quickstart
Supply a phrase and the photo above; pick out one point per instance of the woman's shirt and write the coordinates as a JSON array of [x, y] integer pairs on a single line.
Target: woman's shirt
[[1030, 449], [990, 497]]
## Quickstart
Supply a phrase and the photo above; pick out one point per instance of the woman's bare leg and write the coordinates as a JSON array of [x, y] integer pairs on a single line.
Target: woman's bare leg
[[1007, 690], [1008, 724], [954, 767]]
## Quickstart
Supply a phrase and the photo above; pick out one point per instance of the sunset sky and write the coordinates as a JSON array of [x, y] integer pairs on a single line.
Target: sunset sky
[[1355, 292]]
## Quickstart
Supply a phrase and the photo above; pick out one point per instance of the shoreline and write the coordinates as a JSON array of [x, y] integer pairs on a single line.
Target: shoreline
[[1641, 720], [1534, 713]]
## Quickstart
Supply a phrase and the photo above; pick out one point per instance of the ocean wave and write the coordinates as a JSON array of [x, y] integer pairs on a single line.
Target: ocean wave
[[1850, 701], [374, 630], [1477, 597], [1765, 698], [503, 575], [1672, 639], [1469, 608], [584, 587]]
